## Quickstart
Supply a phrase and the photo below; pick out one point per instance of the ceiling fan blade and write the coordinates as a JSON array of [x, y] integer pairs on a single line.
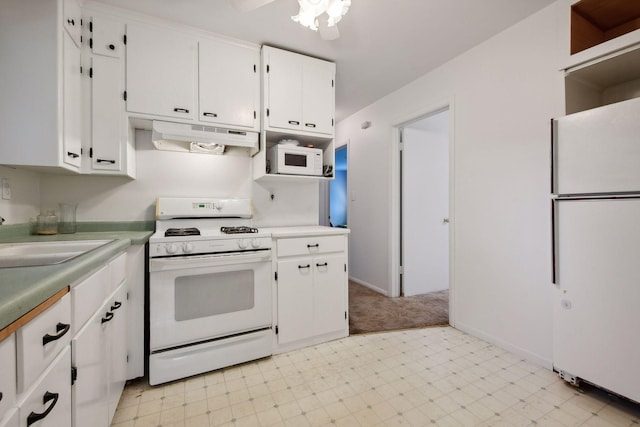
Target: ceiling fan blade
[[249, 5], [327, 32]]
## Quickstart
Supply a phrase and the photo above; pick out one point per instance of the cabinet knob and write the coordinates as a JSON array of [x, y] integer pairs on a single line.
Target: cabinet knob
[[112, 47], [71, 21]]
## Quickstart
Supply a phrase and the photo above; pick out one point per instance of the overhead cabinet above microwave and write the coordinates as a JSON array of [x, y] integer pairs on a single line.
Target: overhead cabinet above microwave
[[299, 93], [195, 79]]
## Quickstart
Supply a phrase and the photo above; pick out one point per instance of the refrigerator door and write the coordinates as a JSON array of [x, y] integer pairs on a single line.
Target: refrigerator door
[[598, 151], [596, 314]]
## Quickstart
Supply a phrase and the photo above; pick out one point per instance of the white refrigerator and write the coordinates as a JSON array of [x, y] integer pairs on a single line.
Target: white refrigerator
[[596, 247]]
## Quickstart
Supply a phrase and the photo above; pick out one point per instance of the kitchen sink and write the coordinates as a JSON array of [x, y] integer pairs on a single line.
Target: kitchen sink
[[45, 253]]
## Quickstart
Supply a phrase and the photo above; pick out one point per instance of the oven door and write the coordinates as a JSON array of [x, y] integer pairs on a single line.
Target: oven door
[[198, 298]]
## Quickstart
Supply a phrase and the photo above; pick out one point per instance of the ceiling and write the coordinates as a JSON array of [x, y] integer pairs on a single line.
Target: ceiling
[[383, 44]]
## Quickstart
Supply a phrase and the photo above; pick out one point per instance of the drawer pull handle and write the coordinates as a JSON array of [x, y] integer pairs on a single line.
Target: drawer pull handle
[[181, 110], [310, 125], [1, 396], [210, 114], [107, 317], [61, 329], [72, 155], [116, 305], [304, 266], [34, 416], [322, 265], [113, 162], [294, 122], [317, 245]]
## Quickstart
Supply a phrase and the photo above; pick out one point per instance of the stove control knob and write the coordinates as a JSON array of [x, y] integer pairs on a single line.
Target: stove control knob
[[242, 244], [187, 247], [171, 248], [255, 243]]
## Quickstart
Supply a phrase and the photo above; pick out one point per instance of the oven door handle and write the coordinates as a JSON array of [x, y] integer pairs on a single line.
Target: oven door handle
[[190, 261]]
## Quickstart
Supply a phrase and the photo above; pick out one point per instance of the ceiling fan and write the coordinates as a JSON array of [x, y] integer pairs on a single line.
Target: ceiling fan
[[311, 14]]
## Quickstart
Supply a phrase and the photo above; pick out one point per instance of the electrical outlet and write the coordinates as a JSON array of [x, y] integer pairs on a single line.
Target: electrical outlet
[[6, 189]]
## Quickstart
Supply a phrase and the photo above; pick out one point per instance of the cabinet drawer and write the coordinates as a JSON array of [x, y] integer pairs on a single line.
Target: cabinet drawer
[[7, 374], [310, 245], [88, 296], [48, 402], [39, 341], [118, 272]]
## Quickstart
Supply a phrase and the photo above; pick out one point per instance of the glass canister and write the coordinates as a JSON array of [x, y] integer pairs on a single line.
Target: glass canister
[[47, 223], [67, 224]]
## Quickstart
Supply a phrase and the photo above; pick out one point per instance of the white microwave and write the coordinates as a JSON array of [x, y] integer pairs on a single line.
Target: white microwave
[[289, 159]]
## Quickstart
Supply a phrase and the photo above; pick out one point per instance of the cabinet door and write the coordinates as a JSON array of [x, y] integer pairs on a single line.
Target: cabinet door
[[229, 85], [7, 374], [284, 89], [329, 292], [318, 106], [72, 101], [295, 299], [71, 20], [106, 37], [108, 127], [117, 339], [161, 72], [89, 357], [48, 403]]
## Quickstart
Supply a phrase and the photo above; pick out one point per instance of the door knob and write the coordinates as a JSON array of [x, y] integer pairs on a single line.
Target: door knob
[[445, 220]]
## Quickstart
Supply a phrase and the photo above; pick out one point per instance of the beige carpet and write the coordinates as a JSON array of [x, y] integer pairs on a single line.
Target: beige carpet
[[370, 311]]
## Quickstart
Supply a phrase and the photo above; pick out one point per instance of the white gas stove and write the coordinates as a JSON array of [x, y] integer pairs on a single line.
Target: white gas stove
[[209, 287]]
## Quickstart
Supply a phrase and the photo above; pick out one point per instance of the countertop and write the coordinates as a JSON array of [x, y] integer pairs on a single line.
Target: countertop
[[301, 231], [24, 288]]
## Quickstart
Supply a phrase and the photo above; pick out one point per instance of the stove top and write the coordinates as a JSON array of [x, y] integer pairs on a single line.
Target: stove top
[[241, 229], [187, 231]]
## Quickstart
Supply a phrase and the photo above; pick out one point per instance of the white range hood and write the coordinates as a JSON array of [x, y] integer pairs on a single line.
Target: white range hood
[[193, 138]]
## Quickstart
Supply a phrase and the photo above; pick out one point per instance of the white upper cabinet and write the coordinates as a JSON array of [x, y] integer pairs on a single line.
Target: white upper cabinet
[[592, 29], [72, 20], [106, 37], [40, 106], [229, 84], [161, 72], [72, 105], [298, 93]]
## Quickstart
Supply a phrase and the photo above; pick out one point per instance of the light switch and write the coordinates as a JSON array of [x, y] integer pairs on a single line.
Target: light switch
[[6, 189]]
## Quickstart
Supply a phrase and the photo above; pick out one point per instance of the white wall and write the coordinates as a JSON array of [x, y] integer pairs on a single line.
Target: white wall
[[505, 91], [174, 174], [25, 195]]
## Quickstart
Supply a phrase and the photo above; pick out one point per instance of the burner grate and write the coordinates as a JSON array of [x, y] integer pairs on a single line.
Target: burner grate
[[190, 231], [238, 230]]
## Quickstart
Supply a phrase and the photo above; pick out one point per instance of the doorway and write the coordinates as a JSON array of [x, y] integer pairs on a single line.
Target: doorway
[[338, 190], [424, 195]]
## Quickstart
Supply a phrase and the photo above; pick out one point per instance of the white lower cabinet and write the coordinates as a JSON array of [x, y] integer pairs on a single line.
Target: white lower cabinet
[[7, 378], [311, 290], [48, 402], [99, 356], [10, 419]]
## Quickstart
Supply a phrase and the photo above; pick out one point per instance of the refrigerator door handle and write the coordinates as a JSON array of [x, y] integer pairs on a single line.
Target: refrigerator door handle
[[554, 243]]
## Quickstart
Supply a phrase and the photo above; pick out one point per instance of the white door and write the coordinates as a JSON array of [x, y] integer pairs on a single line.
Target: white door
[[295, 299], [108, 129], [328, 293], [72, 110], [317, 95], [425, 205]]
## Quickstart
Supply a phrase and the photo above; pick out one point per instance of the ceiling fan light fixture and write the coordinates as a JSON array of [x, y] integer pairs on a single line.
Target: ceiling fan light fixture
[[310, 10]]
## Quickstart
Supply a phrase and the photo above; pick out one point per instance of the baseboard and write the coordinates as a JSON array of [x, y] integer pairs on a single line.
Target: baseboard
[[527, 355], [369, 285]]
